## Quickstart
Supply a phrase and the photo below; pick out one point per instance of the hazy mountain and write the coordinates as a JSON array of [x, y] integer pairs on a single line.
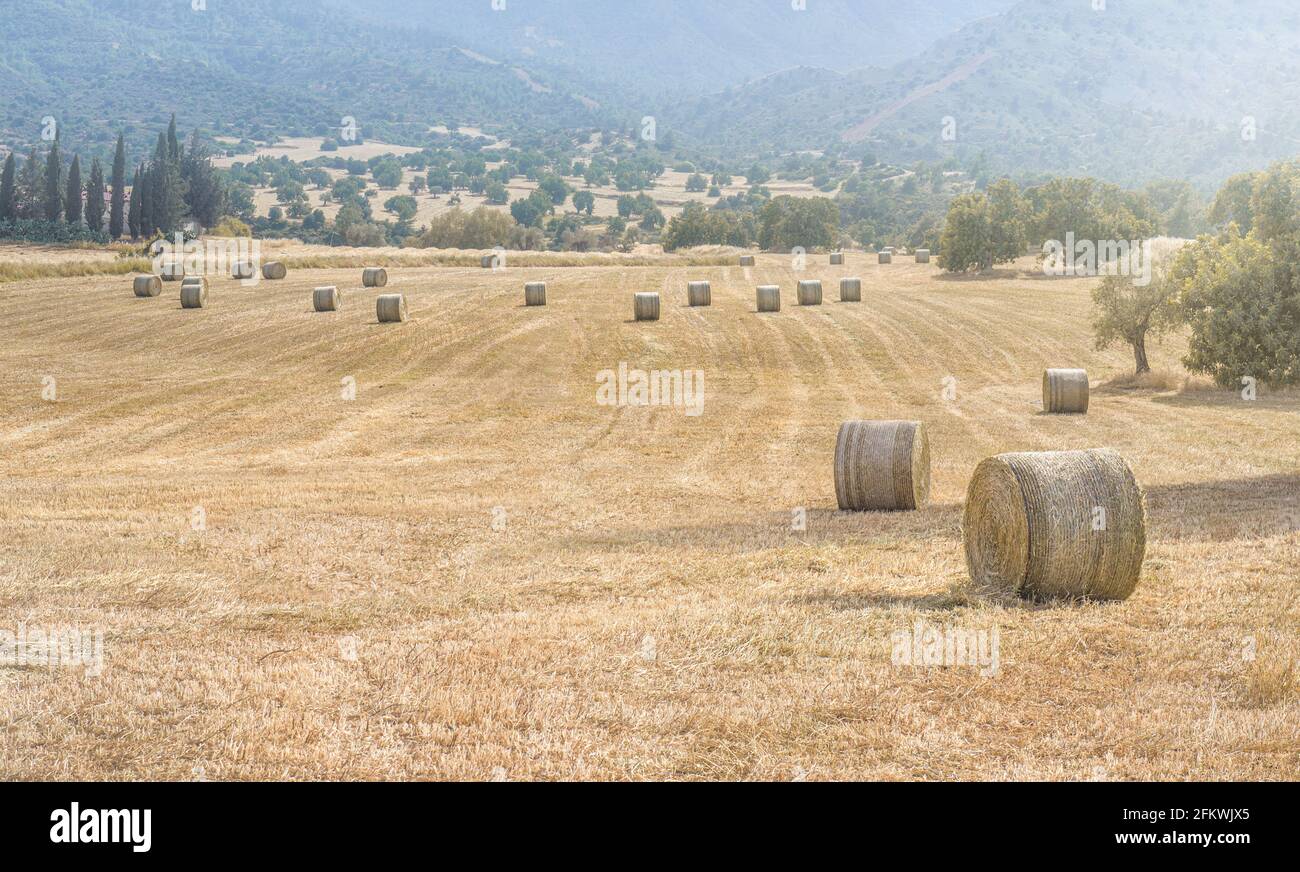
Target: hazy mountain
[[659, 47], [1135, 91]]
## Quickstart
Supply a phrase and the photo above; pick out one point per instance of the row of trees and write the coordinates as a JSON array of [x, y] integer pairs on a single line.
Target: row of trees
[[40, 200]]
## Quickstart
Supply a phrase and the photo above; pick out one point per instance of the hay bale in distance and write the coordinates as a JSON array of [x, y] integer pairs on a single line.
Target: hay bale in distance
[[488, 261], [1056, 524], [391, 308], [885, 257], [147, 286], [646, 307], [326, 299], [699, 293], [374, 277], [923, 255], [195, 280], [244, 269], [851, 290], [837, 258], [171, 270], [194, 295], [882, 465], [747, 260], [535, 294], [274, 270], [809, 292], [769, 298], [1065, 391]]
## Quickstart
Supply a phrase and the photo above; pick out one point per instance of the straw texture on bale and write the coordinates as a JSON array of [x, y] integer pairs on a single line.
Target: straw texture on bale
[[851, 290], [171, 271], [535, 294], [194, 296], [274, 270], [195, 280], [1056, 524], [810, 292], [391, 308], [923, 255], [882, 465], [885, 257], [769, 298], [326, 299], [243, 270], [374, 277], [699, 293], [147, 286], [1065, 391], [646, 307], [747, 260], [837, 258]]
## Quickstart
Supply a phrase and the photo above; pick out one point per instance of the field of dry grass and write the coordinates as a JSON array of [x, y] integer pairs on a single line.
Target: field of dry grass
[[474, 570]]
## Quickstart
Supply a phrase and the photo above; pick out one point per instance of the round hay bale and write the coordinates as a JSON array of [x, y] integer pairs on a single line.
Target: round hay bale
[[923, 255], [488, 261], [147, 286], [882, 465], [747, 260], [646, 307], [391, 308], [851, 290], [195, 295], [243, 270], [837, 258], [699, 293], [810, 292], [1056, 524], [769, 298], [1065, 391], [195, 280], [374, 277], [326, 299], [535, 294], [885, 257], [274, 270], [171, 270]]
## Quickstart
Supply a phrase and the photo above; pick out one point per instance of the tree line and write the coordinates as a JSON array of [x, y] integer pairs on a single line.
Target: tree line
[[41, 201]]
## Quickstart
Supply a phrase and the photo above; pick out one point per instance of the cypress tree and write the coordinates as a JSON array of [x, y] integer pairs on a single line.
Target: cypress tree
[[72, 200], [53, 201], [95, 197], [7, 210], [27, 190], [118, 206], [145, 217], [133, 214], [173, 144]]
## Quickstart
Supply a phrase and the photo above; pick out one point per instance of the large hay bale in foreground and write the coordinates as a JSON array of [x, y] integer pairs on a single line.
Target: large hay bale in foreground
[[326, 299], [851, 290], [809, 292], [837, 258], [1056, 524], [1065, 391], [646, 307], [244, 269], [882, 465], [147, 286], [769, 298], [535, 294], [274, 270], [171, 270], [923, 255], [747, 260], [391, 308], [885, 257], [374, 277], [194, 295], [699, 293]]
